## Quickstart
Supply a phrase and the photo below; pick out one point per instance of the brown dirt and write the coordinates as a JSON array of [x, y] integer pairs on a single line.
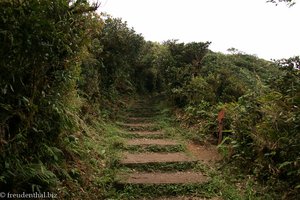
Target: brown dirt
[[165, 178], [144, 141], [207, 154], [144, 158]]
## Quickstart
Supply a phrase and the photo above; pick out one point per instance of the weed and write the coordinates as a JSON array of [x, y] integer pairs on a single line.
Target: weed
[[173, 166], [136, 191]]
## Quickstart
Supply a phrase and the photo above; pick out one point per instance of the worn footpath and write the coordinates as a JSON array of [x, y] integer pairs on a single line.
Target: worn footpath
[[157, 161]]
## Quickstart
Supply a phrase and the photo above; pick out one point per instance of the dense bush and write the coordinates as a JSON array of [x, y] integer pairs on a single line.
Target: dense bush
[[121, 49], [59, 60], [262, 114], [40, 44]]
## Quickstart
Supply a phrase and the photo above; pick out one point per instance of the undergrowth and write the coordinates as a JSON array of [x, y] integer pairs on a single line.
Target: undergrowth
[[90, 174]]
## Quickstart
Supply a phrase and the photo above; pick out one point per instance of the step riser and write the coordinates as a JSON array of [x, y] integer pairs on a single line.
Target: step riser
[[163, 167], [144, 115], [138, 120], [139, 127], [142, 128], [143, 110], [147, 136], [152, 134], [154, 191], [160, 178]]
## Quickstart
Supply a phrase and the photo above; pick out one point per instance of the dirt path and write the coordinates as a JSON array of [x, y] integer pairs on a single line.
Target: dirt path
[[148, 158], [160, 162], [147, 141]]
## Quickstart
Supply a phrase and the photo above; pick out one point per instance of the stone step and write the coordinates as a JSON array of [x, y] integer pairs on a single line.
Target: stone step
[[150, 158], [139, 126], [138, 119], [143, 109], [145, 134], [147, 142], [141, 114], [163, 178]]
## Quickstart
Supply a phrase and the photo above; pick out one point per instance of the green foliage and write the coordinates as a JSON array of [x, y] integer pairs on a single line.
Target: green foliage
[[62, 66], [262, 114], [260, 98], [265, 133], [121, 48], [172, 65], [40, 42], [147, 77]]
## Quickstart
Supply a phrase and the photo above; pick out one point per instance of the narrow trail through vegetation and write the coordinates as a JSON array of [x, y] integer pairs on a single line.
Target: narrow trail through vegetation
[[73, 123], [158, 164]]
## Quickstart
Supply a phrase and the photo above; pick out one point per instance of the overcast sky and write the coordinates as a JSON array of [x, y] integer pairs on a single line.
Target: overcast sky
[[252, 26]]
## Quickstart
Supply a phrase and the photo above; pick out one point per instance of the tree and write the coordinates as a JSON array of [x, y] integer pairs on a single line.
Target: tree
[[121, 49], [293, 62], [288, 2], [39, 52]]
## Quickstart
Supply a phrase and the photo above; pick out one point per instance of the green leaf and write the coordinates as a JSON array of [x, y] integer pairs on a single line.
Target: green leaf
[[284, 164]]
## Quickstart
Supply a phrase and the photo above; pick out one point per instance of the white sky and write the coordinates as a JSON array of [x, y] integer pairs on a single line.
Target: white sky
[[252, 26]]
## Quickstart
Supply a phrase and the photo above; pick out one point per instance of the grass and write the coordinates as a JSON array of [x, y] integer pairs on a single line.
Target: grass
[[163, 167], [132, 135], [136, 191], [147, 128], [127, 119], [95, 164], [91, 172], [221, 184]]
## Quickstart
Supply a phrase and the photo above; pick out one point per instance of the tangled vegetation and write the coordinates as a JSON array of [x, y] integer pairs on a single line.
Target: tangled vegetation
[[65, 71]]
